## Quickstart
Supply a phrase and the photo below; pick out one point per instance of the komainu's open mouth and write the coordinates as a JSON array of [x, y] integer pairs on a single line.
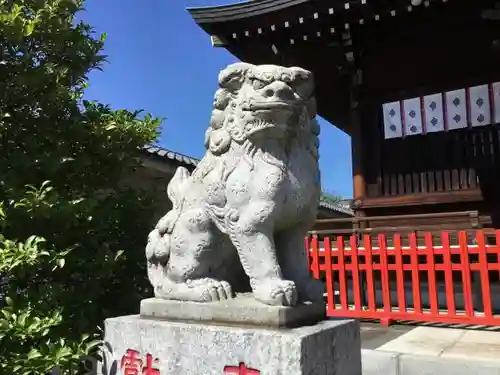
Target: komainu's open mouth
[[272, 105]]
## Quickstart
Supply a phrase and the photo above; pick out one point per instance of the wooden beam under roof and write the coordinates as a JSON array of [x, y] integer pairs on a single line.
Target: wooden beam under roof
[[314, 34], [238, 11]]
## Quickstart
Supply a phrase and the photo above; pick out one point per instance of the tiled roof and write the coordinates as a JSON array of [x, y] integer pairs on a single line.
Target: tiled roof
[[169, 155], [338, 206], [172, 156]]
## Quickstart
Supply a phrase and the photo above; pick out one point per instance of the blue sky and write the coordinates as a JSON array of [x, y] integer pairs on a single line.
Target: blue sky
[[162, 62]]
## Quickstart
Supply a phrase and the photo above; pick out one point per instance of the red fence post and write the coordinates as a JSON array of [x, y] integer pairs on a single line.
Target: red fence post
[[315, 257], [330, 290], [400, 279], [431, 274], [466, 276], [386, 291], [370, 292], [485, 278], [342, 274], [448, 274], [355, 274], [415, 275]]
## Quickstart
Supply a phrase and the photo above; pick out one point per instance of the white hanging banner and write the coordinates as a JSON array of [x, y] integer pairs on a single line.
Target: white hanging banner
[[433, 113], [393, 127], [412, 116], [456, 109], [495, 88], [479, 105]]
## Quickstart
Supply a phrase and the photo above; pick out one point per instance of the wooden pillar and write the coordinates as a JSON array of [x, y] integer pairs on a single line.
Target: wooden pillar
[[358, 175], [359, 182]]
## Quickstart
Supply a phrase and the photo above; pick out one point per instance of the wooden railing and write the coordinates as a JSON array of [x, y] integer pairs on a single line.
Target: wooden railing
[[419, 224], [455, 281], [462, 220]]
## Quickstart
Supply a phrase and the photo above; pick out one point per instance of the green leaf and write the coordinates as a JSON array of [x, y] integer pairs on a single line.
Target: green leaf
[[93, 344], [64, 205], [21, 320], [119, 253], [29, 28], [33, 354]]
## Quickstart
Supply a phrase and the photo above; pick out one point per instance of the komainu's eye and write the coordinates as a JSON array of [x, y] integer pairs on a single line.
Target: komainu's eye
[[258, 84], [286, 78]]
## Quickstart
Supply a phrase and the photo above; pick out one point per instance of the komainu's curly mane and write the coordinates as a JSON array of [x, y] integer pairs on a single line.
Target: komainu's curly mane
[[229, 129], [252, 197]]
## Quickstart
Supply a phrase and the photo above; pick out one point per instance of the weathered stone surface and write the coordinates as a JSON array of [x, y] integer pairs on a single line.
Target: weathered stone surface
[[238, 222], [243, 310], [329, 347]]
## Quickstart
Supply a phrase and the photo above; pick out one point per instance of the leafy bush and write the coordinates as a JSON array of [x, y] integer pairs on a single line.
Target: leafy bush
[[27, 317], [73, 233]]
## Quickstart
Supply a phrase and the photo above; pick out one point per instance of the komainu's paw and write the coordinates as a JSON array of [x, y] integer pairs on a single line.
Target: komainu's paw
[[157, 247], [276, 292], [200, 290], [210, 289], [166, 223]]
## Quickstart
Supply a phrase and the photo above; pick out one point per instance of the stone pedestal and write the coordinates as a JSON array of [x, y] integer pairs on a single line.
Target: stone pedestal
[[232, 342]]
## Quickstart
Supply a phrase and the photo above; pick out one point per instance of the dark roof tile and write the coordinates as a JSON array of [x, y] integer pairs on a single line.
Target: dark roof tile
[[169, 155], [341, 207]]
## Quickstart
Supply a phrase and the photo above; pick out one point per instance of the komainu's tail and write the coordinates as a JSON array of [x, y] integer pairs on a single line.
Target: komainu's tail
[[158, 247], [177, 186]]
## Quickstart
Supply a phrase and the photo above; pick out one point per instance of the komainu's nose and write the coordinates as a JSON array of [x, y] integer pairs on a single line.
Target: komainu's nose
[[278, 91]]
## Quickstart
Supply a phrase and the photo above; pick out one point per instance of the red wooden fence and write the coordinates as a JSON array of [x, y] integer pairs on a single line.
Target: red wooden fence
[[404, 282]]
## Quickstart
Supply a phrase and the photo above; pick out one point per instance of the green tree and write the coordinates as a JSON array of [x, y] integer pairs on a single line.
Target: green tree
[[62, 163], [27, 343], [331, 197]]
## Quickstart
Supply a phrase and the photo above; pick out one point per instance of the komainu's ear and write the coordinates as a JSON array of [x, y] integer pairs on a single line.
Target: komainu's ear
[[233, 76], [303, 82]]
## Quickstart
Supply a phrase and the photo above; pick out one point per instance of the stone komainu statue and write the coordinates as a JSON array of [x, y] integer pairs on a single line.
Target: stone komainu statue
[[239, 220]]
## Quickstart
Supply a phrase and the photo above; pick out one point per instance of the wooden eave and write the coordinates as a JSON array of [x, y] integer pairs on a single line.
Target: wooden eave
[[251, 30], [237, 11], [320, 34]]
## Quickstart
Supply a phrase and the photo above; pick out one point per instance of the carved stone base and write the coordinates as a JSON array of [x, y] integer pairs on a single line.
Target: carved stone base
[[242, 310], [159, 347]]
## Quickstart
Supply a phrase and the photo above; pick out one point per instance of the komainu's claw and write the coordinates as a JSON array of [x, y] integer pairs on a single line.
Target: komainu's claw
[[200, 290], [276, 292]]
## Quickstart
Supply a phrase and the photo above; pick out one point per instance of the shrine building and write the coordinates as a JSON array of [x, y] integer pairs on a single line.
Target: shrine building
[[416, 85]]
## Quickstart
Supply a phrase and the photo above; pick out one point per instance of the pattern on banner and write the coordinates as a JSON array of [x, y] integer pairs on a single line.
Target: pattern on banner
[[433, 113], [456, 109], [475, 106], [479, 105], [392, 120], [412, 116]]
